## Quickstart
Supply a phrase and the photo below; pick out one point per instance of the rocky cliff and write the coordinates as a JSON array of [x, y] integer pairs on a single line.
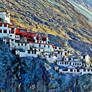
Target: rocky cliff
[[34, 75]]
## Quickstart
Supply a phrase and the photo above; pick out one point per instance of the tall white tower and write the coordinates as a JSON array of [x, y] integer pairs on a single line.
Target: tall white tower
[[5, 17]]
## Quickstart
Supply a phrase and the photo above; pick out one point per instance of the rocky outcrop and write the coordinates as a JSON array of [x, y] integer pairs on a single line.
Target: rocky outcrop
[[35, 74]]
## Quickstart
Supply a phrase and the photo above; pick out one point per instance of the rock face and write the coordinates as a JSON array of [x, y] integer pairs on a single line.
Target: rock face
[[36, 75]]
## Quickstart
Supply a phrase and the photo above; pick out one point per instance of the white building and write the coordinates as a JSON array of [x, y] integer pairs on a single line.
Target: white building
[[27, 53], [51, 58], [7, 30], [78, 71], [46, 47], [19, 45], [4, 30], [70, 64], [4, 17]]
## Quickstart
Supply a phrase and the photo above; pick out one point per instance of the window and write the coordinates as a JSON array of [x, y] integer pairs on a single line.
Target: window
[[84, 69], [9, 31], [11, 39], [65, 69], [91, 69], [17, 41], [65, 63], [29, 51], [58, 52], [35, 51], [12, 29], [18, 44], [80, 63], [0, 25], [62, 62], [88, 70], [39, 45], [73, 63], [69, 58], [12, 32], [0, 30], [10, 35], [22, 44], [78, 70], [5, 31], [70, 63], [0, 19], [55, 47], [5, 25], [30, 48], [71, 70]]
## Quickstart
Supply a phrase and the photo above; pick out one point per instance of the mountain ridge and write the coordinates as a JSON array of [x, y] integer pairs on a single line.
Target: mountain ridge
[[85, 3]]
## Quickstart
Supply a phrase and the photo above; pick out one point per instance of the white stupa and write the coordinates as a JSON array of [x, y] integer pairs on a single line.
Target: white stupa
[[5, 17], [88, 59]]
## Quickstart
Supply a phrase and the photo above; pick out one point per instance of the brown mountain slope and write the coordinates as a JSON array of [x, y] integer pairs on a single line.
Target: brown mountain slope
[[53, 17]]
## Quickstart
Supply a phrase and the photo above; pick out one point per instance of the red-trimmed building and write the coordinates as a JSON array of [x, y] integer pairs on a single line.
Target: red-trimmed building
[[6, 29], [22, 32]]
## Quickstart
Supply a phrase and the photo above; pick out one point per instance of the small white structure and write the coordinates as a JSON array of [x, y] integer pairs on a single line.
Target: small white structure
[[19, 45], [86, 71], [77, 71], [27, 53], [72, 59], [88, 59], [70, 64], [51, 58], [46, 47], [5, 17]]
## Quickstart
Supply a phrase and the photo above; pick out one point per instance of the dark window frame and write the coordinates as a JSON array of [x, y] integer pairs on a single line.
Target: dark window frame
[[71, 70], [78, 70], [5, 31], [28, 51], [0, 30], [21, 44], [5, 25], [0, 25], [18, 44]]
